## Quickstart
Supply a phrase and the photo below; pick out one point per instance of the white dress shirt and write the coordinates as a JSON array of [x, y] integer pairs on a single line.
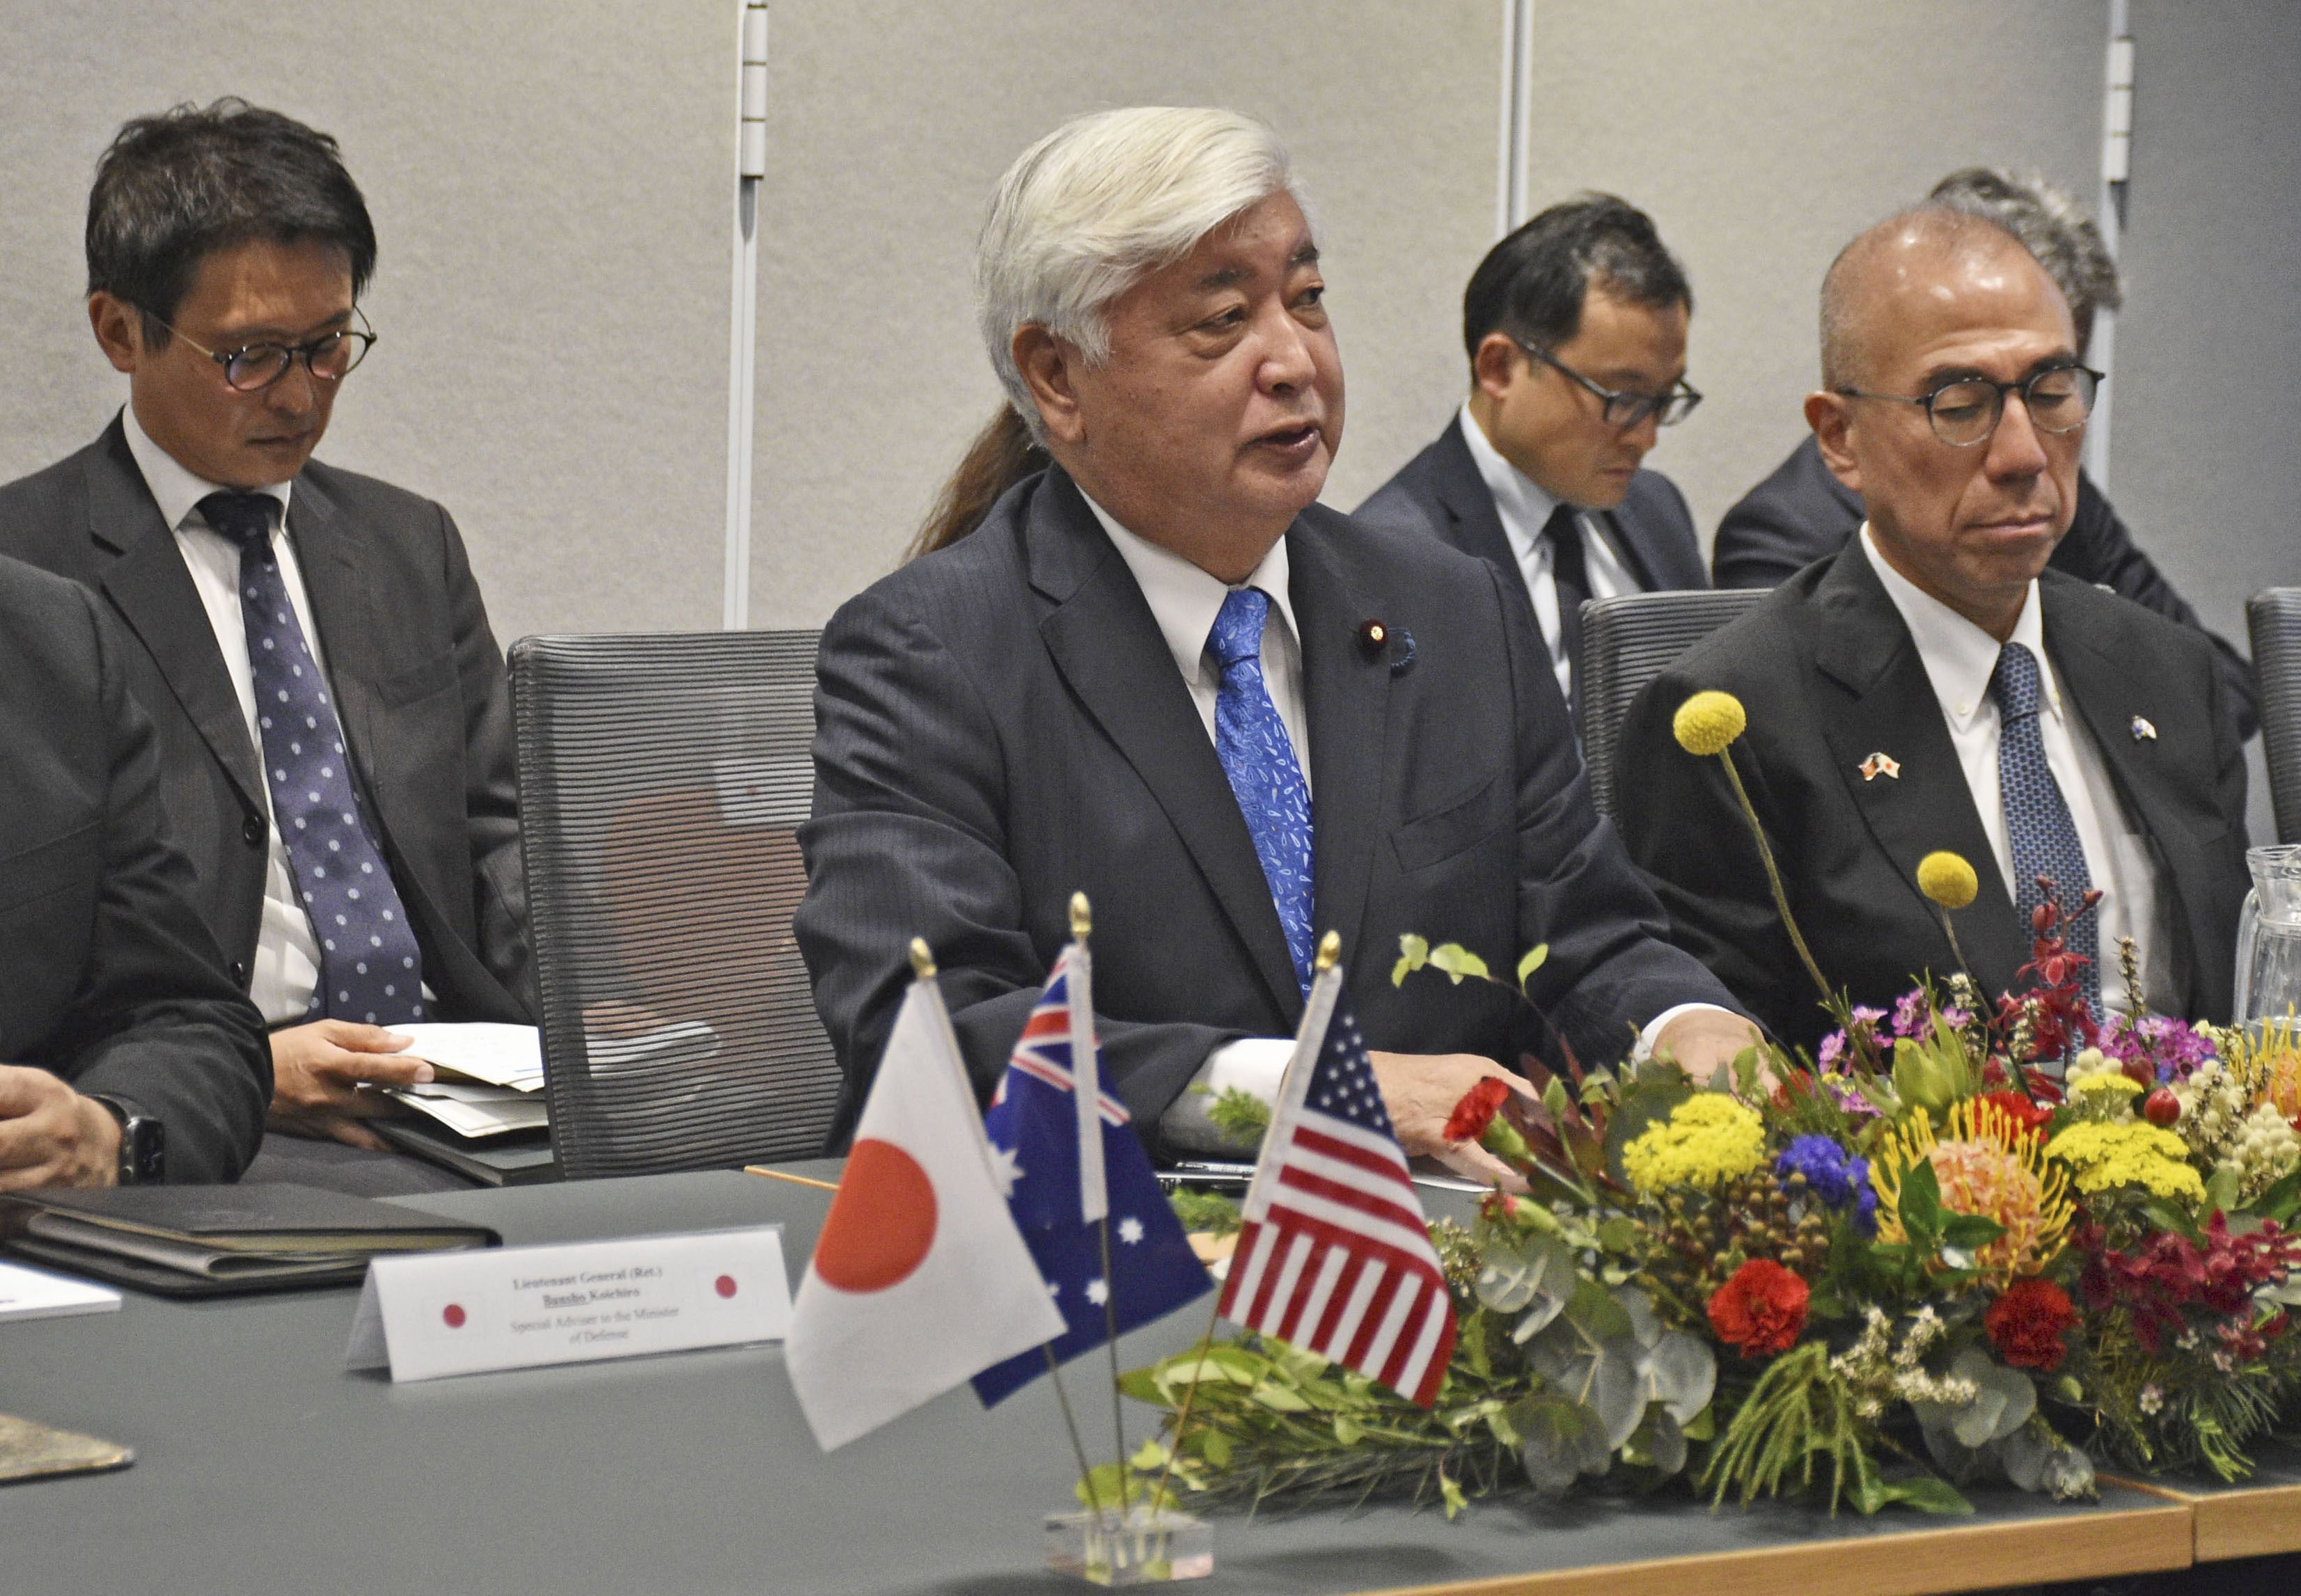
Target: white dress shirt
[[1184, 601], [1524, 510], [1960, 658]]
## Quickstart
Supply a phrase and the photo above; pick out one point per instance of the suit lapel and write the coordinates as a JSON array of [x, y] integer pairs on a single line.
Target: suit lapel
[[1629, 539], [1474, 525], [1877, 698], [2110, 689], [1347, 694], [1107, 644], [142, 572]]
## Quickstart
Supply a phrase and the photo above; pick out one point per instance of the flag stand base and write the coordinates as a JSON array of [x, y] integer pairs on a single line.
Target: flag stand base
[[1147, 1550]]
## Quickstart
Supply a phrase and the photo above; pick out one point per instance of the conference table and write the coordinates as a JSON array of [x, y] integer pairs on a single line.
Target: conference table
[[263, 1465]]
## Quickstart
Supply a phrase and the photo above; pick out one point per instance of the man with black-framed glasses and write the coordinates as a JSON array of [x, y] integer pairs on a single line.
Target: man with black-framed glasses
[[332, 720], [1576, 327], [1935, 687]]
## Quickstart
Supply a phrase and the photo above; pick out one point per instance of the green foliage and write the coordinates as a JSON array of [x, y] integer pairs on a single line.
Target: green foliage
[[1240, 1114], [1209, 1212]]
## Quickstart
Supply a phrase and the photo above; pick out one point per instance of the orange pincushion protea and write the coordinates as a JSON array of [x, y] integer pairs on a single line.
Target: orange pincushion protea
[[1987, 1163], [2281, 1081]]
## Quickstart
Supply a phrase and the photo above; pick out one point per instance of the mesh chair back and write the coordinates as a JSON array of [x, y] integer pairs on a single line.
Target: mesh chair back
[[662, 779], [2273, 616], [1625, 643]]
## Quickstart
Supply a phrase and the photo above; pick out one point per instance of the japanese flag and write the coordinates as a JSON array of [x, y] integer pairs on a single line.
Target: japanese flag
[[920, 1279]]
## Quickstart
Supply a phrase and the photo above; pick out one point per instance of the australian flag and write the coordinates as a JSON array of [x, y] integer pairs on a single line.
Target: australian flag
[[1038, 1135]]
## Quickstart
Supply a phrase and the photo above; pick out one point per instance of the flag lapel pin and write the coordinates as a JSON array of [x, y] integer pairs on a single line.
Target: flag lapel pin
[[2143, 732], [1880, 764]]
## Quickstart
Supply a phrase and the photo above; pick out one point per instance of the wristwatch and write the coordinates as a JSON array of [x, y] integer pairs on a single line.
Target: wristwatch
[[143, 1143]]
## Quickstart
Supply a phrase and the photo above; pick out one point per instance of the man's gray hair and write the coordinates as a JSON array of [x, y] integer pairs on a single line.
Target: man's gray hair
[[1099, 204], [2054, 228]]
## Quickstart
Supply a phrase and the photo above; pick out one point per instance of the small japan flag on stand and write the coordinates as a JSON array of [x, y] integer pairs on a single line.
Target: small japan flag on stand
[[920, 1279], [1333, 1255]]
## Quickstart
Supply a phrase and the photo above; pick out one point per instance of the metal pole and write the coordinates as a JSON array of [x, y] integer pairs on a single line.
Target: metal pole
[[743, 320], [2116, 168], [1512, 204]]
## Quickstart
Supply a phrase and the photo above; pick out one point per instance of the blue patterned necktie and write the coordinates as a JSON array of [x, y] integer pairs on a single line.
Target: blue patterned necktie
[[2039, 833], [1257, 755], [370, 967]]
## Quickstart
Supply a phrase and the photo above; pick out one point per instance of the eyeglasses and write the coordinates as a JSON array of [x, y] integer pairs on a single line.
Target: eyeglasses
[[254, 367], [1966, 412], [1621, 409]]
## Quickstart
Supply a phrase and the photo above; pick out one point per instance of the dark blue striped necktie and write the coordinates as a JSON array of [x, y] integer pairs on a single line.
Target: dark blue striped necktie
[[2040, 833], [370, 967]]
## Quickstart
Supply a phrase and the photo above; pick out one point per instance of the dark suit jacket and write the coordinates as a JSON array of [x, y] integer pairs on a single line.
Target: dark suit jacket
[[1828, 674], [107, 976], [1802, 513], [1000, 723], [419, 684], [1440, 491]]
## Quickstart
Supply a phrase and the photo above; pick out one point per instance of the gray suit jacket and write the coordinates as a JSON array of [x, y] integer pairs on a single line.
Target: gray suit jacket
[[107, 976], [419, 683], [1830, 675], [1000, 723]]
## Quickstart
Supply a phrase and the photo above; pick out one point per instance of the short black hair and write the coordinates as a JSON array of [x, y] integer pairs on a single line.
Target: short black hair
[[1531, 285], [175, 187]]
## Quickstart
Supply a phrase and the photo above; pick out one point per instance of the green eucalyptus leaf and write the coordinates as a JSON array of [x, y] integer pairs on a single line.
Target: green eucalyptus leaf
[[1514, 1277]]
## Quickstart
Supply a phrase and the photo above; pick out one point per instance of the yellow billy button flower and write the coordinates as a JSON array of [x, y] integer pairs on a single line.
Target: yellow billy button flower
[[1947, 879], [1708, 722]]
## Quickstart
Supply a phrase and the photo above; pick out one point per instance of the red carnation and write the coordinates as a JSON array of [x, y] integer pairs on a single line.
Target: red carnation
[[1476, 1110], [1760, 1310], [2027, 1323]]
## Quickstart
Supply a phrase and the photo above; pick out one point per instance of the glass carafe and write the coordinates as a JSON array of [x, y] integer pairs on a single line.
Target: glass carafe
[[2269, 935]]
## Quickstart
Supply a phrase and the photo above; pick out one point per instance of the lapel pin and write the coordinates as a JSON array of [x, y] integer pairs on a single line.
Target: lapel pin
[[2143, 730], [1880, 764], [1374, 636], [1379, 638]]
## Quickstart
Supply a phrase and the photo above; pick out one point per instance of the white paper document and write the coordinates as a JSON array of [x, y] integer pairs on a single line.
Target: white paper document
[[515, 1307], [496, 1054], [36, 1294], [476, 1111]]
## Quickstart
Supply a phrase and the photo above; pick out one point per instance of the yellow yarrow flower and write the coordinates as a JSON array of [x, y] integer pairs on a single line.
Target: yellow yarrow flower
[[1708, 722], [1708, 1139], [2103, 1155], [1947, 879], [2119, 1085]]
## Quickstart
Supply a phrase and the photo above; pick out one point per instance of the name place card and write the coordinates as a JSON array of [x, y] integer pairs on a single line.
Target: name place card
[[429, 1314]]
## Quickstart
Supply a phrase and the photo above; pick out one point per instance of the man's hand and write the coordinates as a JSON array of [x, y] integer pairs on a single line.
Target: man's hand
[[52, 1136], [1420, 1090], [1704, 1040], [317, 1071]]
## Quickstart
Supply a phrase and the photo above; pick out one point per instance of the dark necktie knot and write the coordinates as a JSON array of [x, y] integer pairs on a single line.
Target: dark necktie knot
[[2015, 684], [1237, 633], [245, 518], [1564, 531]]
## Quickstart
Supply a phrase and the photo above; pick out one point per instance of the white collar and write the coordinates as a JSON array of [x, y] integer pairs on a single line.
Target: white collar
[[1523, 503], [1184, 599], [175, 488], [1959, 656]]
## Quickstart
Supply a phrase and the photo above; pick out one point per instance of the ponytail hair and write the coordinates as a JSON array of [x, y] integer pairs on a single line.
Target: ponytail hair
[[1001, 456]]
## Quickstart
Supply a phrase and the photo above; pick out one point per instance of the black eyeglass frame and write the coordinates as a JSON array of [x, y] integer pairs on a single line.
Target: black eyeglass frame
[[364, 337], [1683, 395], [1997, 401]]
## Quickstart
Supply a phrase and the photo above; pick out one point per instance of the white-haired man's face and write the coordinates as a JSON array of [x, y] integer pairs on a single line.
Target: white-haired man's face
[[1216, 417]]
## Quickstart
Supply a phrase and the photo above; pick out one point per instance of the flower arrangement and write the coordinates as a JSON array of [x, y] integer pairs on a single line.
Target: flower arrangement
[[1962, 1242]]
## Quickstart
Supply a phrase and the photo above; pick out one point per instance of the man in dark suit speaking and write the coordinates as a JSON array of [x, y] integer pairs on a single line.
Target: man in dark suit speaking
[[1159, 672], [126, 1051], [1935, 686], [333, 723], [1576, 327]]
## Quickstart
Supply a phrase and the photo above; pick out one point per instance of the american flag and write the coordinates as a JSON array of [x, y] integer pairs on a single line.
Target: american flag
[[1332, 1256]]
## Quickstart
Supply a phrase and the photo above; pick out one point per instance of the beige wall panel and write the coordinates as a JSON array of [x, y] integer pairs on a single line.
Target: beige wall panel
[[548, 181], [891, 122], [1762, 136]]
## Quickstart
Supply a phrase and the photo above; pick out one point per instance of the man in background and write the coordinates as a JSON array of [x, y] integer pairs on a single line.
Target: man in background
[[1935, 686], [1802, 512], [334, 734], [1576, 327]]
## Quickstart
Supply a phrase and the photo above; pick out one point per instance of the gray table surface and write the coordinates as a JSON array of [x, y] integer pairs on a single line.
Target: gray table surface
[[264, 1466]]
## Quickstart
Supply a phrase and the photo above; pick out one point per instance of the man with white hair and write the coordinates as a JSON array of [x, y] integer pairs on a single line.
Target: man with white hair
[[1160, 672]]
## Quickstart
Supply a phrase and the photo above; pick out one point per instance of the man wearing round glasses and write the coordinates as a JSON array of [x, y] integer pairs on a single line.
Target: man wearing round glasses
[[1575, 328], [1934, 686], [333, 723]]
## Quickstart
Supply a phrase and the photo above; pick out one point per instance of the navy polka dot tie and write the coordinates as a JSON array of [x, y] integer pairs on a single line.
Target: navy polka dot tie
[[2039, 833], [1259, 757], [370, 967]]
